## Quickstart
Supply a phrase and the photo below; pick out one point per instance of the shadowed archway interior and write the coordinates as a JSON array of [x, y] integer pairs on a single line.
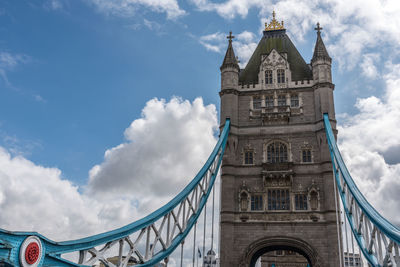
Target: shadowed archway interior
[[262, 246], [262, 251]]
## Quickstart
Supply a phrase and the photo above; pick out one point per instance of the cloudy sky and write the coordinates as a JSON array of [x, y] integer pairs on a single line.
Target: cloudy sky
[[101, 97]]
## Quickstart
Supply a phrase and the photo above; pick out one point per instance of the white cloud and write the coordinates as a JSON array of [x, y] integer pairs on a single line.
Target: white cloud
[[9, 62], [368, 67], [152, 25], [350, 28], [229, 9], [244, 44], [164, 150], [53, 5], [128, 8], [370, 142]]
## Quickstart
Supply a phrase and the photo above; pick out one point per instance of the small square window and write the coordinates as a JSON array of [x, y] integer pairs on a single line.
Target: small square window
[[306, 155], [248, 157], [281, 100], [269, 101], [256, 102], [256, 202]]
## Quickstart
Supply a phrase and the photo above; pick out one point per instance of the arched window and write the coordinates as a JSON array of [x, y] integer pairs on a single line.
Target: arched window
[[277, 152], [268, 76], [281, 75]]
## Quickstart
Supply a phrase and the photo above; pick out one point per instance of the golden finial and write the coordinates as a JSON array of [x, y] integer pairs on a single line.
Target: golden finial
[[274, 24]]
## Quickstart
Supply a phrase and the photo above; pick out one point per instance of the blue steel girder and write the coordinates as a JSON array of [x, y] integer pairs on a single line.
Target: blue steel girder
[[148, 240], [377, 238]]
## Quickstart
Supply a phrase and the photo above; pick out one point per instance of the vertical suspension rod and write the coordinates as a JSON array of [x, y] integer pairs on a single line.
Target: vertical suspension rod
[[204, 232], [194, 243], [212, 225]]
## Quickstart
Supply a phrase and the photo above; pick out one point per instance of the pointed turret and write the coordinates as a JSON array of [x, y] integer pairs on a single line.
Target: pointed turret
[[321, 61], [230, 58], [229, 84], [322, 75], [320, 51]]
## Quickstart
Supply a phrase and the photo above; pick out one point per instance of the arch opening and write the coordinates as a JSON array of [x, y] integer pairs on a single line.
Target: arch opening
[[279, 256], [297, 250]]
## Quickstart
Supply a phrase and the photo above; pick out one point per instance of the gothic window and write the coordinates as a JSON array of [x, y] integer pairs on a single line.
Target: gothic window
[[249, 157], [314, 200], [300, 202], [269, 101], [268, 76], [281, 100], [256, 202], [294, 101], [306, 155], [277, 152], [256, 102], [243, 201], [278, 199], [281, 75]]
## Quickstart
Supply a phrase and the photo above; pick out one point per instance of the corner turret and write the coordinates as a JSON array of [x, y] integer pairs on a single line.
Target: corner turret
[[229, 84], [229, 68], [321, 61], [322, 75]]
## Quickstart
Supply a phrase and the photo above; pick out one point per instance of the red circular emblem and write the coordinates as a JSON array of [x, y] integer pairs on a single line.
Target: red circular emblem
[[32, 253]]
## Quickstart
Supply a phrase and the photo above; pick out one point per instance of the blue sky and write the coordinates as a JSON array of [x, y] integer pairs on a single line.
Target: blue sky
[[77, 79], [85, 73]]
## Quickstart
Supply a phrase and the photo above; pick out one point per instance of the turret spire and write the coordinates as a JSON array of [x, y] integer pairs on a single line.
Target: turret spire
[[320, 51], [230, 58]]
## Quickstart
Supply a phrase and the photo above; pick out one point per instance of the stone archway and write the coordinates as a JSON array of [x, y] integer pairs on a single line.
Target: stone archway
[[264, 245]]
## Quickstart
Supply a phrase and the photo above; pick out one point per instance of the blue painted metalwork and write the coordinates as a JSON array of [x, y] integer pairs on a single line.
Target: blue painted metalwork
[[189, 202], [377, 238]]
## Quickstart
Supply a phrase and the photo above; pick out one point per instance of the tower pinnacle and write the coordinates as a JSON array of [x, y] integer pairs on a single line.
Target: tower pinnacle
[[318, 28], [320, 51], [274, 24], [230, 58], [230, 36]]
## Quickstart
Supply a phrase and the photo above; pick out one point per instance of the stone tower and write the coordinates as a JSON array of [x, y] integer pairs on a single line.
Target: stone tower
[[277, 189]]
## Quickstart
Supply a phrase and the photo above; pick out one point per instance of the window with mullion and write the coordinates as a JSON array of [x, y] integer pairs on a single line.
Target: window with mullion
[[301, 202], [294, 100], [281, 75], [278, 199], [256, 202], [277, 152], [281, 100], [248, 157], [256, 102], [269, 101], [307, 155], [268, 76]]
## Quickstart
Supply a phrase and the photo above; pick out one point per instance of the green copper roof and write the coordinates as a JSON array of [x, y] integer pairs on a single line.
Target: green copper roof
[[281, 42]]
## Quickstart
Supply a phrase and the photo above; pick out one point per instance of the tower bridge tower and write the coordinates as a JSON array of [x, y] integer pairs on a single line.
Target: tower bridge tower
[[277, 188]]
